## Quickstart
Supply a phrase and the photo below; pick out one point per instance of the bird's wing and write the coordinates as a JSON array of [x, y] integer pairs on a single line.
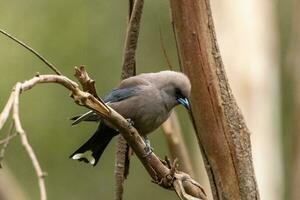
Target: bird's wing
[[120, 94], [116, 95]]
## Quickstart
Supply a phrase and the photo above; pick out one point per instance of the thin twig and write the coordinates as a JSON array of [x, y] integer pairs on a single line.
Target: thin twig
[[162, 46], [177, 47], [44, 60], [132, 38], [172, 131], [40, 174], [8, 138], [6, 141], [6, 110]]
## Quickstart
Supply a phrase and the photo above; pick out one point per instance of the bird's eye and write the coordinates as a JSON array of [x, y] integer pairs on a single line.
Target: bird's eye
[[178, 93]]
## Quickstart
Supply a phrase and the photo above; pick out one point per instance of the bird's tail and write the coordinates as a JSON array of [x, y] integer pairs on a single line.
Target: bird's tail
[[91, 151]]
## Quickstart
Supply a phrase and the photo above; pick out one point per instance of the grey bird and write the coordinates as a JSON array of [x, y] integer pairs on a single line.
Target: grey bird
[[146, 99]]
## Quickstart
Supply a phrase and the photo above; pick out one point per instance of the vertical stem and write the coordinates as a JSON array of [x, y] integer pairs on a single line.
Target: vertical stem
[[128, 70], [176, 144]]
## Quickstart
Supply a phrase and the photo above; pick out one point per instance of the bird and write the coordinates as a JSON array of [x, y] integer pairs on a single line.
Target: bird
[[146, 100]]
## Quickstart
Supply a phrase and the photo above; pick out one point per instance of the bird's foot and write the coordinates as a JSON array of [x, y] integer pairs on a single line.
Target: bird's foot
[[148, 149]]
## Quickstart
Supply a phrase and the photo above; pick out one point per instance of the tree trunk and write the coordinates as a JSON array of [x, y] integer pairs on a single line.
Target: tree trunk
[[221, 131]]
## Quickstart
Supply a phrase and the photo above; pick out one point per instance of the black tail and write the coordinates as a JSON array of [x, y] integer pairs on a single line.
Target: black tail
[[91, 151]]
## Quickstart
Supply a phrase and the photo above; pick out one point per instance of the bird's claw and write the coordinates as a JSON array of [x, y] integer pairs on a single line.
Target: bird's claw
[[148, 149], [131, 123]]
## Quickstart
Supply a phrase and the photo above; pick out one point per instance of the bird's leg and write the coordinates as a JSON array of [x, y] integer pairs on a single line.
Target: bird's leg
[[148, 149]]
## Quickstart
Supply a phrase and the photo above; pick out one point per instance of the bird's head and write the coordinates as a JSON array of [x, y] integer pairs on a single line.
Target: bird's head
[[180, 89], [174, 86]]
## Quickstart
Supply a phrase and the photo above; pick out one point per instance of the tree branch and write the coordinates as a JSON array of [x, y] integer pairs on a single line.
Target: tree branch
[[156, 169], [177, 147], [6, 141], [88, 84], [16, 117], [132, 39]]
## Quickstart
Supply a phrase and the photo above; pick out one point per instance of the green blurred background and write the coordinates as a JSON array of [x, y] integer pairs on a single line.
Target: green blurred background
[[259, 42]]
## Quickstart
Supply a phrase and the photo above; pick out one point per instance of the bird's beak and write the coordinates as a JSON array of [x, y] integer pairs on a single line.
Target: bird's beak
[[184, 102]]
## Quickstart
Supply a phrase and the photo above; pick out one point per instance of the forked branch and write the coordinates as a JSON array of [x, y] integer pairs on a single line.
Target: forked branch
[[167, 176]]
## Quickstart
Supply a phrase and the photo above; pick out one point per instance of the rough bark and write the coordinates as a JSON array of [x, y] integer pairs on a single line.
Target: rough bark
[[221, 130]]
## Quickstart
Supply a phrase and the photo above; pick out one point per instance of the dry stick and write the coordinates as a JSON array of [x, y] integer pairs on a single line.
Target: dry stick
[[40, 174], [6, 141], [44, 60], [132, 39], [13, 104], [13, 100], [161, 174], [121, 166], [5, 113], [177, 147], [162, 45], [128, 69]]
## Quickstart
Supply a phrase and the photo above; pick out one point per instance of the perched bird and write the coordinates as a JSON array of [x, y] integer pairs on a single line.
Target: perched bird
[[146, 99]]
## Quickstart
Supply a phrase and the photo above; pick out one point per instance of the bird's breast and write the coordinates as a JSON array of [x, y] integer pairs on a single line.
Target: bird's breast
[[147, 113]]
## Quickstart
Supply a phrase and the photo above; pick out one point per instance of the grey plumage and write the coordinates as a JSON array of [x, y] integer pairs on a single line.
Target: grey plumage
[[146, 99]]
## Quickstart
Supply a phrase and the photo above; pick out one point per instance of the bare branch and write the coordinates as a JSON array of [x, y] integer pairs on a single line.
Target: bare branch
[[121, 169], [163, 48], [131, 39], [40, 174], [6, 141], [177, 147], [5, 113], [44, 60], [88, 84], [156, 169]]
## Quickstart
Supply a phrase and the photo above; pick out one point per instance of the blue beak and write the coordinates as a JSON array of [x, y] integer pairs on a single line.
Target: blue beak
[[184, 102]]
